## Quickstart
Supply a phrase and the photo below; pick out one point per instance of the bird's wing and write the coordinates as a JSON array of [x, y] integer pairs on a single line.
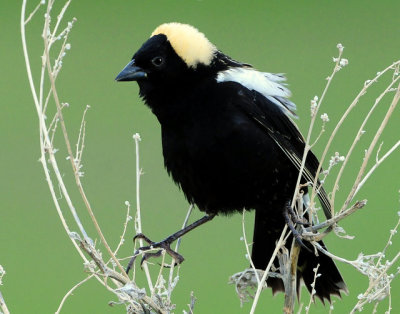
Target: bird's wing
[[285, 134]]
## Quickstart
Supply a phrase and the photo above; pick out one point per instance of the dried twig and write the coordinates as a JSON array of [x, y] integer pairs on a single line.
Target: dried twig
[[316, 275], [138, 219], [64, 129], [95, 265], [70, 292], [171, 281], [159, 300], [248, 254], [3, 305], [312, 233]]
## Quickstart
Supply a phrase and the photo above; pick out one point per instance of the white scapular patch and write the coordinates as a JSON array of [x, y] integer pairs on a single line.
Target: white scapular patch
[[268, 84], [189, 44]]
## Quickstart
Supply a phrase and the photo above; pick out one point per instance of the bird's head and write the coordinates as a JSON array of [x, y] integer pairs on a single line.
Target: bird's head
[[172, 50], [178, 59]]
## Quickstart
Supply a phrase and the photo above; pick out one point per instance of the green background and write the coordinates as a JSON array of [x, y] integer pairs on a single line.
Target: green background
[[295, 37]]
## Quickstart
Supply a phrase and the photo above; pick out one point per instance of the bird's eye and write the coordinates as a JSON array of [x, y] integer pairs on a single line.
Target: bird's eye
[[157, 61]]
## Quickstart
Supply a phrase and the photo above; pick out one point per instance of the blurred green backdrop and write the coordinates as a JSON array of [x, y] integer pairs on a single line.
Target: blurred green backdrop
[[297, 38]]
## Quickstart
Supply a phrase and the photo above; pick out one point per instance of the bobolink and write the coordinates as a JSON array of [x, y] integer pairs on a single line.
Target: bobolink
[[229, 140]]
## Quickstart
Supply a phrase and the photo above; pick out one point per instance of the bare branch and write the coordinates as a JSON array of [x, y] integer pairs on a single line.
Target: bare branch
[[371, 148], [248, 254], [3, 305], [138, 219], [279, 244], [69, 293], [376, 165]]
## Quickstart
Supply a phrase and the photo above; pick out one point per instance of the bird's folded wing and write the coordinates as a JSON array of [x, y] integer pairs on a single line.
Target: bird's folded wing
[[285, 134]]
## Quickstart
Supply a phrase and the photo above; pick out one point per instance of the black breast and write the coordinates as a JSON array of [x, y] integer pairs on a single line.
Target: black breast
[[222, 160]]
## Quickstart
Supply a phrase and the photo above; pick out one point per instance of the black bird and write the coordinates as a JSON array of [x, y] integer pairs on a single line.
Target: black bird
[[229, 142]]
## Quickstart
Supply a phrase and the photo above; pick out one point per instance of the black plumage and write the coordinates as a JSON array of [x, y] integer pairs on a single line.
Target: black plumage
[[228, 139]]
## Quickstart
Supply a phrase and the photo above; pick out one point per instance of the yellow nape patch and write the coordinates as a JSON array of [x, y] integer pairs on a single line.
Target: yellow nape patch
[[189, 44]]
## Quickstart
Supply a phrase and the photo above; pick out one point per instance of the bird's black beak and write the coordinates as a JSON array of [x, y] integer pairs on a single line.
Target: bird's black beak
[[131, 72]]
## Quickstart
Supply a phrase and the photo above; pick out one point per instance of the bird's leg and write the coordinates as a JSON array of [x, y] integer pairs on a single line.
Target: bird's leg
[[295, 218], [165, 244], [287, 212]]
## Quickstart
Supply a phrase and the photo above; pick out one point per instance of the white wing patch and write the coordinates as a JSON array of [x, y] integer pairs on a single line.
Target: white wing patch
[[268, 84]]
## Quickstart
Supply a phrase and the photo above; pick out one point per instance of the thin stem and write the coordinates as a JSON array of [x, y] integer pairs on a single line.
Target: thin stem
[[313, 289], [307, 146], [3, 305], [247, 247], [267, 269], [291, 279], [372, 146], [67, 142], [138, 225], [33, 13], [338, 126], [45, 142], [388, 243], [330, 222], [122, 237], [59, 18], [376, 165], [374, 283], [357, 138], [44, 137], [178, 243], [69, 293]]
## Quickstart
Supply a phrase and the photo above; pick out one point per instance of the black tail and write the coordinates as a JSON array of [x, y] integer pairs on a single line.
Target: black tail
[[267, 230]]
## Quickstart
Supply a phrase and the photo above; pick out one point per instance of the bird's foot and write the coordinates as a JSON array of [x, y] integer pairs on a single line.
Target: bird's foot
[[164, 245], [291, 219], [296, 219]]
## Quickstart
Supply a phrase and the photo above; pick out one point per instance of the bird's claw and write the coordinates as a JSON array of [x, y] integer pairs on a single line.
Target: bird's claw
[[296, 219], [162, 246], [291, 219]]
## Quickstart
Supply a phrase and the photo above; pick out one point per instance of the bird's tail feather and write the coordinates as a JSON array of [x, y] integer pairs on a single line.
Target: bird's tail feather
[[267, 230]]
